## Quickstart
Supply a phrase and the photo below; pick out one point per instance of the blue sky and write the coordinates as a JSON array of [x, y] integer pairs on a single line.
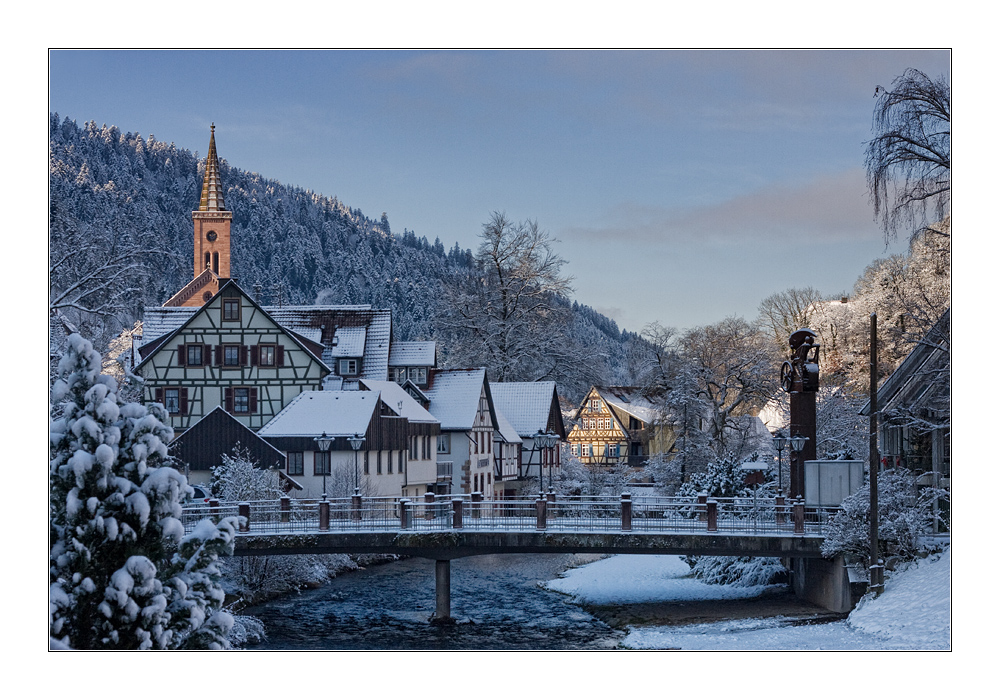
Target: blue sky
[[683, 186]]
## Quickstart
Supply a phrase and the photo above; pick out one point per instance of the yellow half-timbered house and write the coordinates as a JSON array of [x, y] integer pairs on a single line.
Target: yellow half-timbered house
[[615, 426]]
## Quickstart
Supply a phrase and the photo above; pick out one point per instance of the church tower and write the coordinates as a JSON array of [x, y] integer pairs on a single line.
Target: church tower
[[211, 221], [211, 238]]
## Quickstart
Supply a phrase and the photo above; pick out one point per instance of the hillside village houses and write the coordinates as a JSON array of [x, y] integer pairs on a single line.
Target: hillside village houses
[[236, 374]]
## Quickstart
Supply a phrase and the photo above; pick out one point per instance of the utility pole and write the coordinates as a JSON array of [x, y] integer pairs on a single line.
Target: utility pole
[[875, 568]]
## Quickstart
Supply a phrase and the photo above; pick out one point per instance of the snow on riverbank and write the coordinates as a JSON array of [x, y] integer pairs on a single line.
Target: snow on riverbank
[[912, 614]]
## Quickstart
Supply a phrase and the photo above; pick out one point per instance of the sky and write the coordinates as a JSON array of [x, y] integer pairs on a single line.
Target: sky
[[682, 186]]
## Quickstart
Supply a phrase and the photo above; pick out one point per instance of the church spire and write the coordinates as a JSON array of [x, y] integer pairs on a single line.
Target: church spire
[[211, 189]]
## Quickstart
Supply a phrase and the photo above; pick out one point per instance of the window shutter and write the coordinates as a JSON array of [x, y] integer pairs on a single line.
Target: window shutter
[[158, 396], [206, 355], [229, 399], [181, 356], [184, 401], [254, 355], [218, 355], [253, 399], [244, 351], [281, 356]]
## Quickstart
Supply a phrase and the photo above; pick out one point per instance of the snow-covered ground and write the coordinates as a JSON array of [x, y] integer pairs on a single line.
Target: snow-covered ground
[[914, 612]]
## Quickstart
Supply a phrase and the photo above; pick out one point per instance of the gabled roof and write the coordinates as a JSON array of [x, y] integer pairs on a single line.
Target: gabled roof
[[528, 405], [454, 396], [911, 380], [506, 431], [399, 401], [628, 400], [332, 412], [413, 353], [218, 433], [149, 349]]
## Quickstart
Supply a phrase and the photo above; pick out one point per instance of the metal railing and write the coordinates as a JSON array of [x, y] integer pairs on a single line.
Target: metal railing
[[561, 513]]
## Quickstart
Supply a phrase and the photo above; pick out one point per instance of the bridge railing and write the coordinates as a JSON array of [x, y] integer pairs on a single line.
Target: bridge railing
[[471, 511]]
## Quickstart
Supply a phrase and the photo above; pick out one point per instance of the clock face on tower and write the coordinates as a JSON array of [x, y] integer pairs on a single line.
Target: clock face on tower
[[212, 235]]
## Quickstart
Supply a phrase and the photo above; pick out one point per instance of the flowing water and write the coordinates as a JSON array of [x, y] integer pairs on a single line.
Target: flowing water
[[496, 600]]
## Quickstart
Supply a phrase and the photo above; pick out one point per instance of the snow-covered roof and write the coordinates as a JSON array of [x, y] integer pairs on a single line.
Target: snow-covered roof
[[397, 399], [454, 397], [506, 430], [412, 353], [333, 412], [628, 400], [525, 404], [157, 321], [350, 342]]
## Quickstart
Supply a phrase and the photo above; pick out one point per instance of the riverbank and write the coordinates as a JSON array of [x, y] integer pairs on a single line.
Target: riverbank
[[658, 605]]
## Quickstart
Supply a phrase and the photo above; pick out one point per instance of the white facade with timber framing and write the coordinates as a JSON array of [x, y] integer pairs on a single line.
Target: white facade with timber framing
[[615, 426], [228, 353]]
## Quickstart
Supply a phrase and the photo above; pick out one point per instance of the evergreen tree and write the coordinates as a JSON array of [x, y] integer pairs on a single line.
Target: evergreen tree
[[123, 575]]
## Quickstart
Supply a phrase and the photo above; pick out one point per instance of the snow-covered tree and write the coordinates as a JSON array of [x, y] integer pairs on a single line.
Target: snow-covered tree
[[905, 514], [123, 575], [240, 478]]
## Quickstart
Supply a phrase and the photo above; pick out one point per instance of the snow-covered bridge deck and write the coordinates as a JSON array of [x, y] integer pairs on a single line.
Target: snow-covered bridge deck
[[450, 527]]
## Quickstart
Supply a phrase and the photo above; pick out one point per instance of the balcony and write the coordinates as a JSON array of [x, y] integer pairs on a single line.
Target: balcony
[[444, 471]]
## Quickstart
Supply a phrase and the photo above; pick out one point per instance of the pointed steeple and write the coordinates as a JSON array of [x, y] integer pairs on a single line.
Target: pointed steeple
[[211, 189]]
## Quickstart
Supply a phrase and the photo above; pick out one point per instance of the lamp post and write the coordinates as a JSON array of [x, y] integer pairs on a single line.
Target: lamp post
[[780, 443], [548, 441], [356, 442], [323, 443], [797, 443]]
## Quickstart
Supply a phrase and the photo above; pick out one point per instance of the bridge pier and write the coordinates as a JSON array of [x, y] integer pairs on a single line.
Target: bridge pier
[[442, 593]]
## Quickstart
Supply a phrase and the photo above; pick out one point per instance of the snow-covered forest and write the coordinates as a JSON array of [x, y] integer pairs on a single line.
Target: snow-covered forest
[[122, 203]]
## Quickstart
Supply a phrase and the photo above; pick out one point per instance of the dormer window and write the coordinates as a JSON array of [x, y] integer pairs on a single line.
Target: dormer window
[[418, 375], [347, 367]]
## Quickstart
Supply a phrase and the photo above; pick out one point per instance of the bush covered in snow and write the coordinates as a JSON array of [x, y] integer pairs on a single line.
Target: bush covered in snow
[[739, 571], [905, 514], [122, 572]]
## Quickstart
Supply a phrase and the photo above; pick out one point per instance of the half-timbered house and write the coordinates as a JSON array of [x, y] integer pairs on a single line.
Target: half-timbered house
[[531, 408], [460, 399], [617, 426], [231, 353]]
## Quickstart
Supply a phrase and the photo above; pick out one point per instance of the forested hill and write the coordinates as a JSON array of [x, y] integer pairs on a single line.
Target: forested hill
[[111, 190]]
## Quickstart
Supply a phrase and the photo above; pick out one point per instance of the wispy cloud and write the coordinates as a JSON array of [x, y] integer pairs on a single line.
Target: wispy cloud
[[829, 208]]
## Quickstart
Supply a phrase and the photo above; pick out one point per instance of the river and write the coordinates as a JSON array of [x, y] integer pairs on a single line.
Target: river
[[496, 600]]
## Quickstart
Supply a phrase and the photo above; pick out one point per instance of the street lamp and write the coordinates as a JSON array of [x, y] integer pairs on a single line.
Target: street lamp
[[356, 442], [323, 443], [798, 442], [780, 443], [547, 441]]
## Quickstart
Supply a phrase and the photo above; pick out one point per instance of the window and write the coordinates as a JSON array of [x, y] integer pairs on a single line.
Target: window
[[241, 400], [366, 462], [595, 405], [389, 462], [347, 367], [575, 449], [612, 451], [399, 375], [321, 463], [172, 400], [231, 356], [208, 260], [295, 464], [378, 462], [444, 443], [195, 355], [266, 356], [586, 450], [231, 309], [401, 465], [418, 375]]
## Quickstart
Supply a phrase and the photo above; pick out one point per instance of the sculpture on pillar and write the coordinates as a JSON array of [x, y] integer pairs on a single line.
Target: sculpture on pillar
[[800, 379]]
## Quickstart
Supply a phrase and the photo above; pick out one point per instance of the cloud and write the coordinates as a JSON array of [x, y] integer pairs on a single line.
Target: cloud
[[828, 208]]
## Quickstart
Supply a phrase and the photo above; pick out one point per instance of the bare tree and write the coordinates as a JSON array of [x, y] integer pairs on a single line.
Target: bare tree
[[909, 160], [505, 314], [785, 312]]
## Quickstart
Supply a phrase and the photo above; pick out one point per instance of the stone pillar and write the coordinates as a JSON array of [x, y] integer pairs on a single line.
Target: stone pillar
[[540, 513], [477, 500], [779, 510], [712, 515], [356, 507], [702, 508], [550, 507], [456, 513], [626, 512], [802, 411], [799, 515], [286, 508], [244, 510], [324, 515], [442, 590], [429, 506], [213, 507], [405, 514]]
